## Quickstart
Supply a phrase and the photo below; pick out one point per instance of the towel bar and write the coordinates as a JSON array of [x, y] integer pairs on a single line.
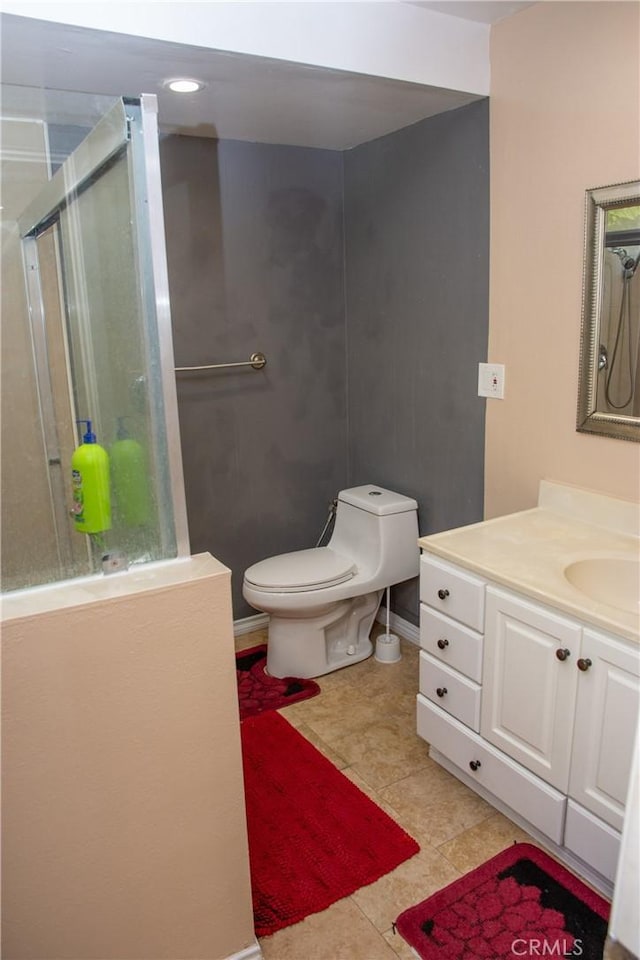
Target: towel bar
[[256, 360]]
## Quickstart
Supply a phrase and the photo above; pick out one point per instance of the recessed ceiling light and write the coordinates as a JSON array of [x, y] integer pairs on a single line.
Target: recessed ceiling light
[[183, 85]]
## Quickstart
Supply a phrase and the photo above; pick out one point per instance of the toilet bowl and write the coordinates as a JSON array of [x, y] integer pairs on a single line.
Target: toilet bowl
[[322, 602]]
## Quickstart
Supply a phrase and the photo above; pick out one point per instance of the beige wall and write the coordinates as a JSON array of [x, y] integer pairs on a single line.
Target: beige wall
[[124, 830], [564, 118]]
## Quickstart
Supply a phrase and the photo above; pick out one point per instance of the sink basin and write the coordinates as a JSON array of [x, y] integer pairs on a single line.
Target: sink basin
[[611, 580]]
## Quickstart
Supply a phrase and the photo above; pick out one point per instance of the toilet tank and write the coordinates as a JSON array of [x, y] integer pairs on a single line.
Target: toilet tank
[[378, 529]]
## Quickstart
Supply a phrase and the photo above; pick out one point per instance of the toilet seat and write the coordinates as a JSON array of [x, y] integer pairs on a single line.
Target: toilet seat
[[312, 569]]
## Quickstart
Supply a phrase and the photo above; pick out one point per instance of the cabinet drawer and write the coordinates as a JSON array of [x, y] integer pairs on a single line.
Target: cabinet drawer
[[450, 690], [452, 591], [593, 840], [529, 796], [451, 642]]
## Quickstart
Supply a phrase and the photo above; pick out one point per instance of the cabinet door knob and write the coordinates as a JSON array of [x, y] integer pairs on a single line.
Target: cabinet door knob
[[584, 664], [443, 642], [441, 691], [475, 765], [443, 594], [562, 654]]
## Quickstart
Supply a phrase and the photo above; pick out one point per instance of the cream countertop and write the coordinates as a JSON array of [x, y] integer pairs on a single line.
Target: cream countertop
[[528, 551]]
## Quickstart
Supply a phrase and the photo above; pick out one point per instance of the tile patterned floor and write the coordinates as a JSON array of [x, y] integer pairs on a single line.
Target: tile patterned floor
[[364, 722]]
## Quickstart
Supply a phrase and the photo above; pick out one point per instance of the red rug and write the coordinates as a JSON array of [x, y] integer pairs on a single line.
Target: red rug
[[521, 903], [257, 691], [314, 837]]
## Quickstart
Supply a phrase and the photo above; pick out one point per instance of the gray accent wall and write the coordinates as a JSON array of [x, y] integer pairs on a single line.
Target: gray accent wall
[[256, 263], [363, 277], [417, 292]]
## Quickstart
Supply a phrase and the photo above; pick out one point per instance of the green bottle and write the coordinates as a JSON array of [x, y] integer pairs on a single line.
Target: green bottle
[[130, 479], [90, 485]]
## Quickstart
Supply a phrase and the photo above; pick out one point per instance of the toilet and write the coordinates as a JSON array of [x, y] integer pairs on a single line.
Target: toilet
[[322, 602]]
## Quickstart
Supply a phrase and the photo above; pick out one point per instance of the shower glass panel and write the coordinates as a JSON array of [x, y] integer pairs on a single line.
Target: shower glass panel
[[94, 340]]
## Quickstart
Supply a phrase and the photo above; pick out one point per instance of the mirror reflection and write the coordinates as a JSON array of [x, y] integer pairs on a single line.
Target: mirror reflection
[[618, 357], [609, 387]]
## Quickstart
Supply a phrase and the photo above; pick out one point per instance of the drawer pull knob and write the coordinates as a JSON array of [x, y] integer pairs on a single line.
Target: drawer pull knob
[[443, 594], [475, 765], [441, 691], [562, 654], [443, 642], [584, 664]]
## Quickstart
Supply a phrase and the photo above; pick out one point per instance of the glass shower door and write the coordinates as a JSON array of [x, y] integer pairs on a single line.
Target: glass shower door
[[93, 250]]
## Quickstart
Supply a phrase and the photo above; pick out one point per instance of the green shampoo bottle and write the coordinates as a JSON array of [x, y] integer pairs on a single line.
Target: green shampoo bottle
[[90, 482], [130, 479]]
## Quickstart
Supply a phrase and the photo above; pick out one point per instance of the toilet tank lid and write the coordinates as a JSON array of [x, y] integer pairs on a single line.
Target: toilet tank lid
[[377, 500]]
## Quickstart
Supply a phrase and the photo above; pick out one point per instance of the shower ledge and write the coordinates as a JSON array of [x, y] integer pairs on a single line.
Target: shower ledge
[[160, 575]]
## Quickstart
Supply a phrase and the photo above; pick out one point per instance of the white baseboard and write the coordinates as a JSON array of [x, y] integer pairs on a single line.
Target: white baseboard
[[249, 624], [406, 630], [249, 953]]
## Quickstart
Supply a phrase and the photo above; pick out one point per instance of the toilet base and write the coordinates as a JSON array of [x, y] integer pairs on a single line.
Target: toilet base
[[336, 637]]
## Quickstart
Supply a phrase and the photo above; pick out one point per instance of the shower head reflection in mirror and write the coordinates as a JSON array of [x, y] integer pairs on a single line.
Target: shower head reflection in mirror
[[609, 382]]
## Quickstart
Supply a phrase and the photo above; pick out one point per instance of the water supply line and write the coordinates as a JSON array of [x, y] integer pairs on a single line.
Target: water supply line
[[333, 506]]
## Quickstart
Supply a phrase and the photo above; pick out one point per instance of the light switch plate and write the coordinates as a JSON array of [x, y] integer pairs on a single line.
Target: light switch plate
[[491, 380]]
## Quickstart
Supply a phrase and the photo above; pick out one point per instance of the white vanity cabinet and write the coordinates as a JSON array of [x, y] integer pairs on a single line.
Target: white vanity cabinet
[[557, 704]]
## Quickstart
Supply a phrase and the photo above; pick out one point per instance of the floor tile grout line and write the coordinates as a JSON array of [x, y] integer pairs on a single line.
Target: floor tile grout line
[[368, 919]]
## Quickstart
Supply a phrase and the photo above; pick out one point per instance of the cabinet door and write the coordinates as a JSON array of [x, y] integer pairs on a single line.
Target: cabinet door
[[606, 718], [530, 680]]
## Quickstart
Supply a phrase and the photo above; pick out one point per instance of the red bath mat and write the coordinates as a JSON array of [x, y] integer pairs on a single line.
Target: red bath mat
[[521, 903], [314, 837], [257, 691]]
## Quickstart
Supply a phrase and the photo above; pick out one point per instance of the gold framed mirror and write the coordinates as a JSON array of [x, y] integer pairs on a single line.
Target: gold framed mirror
[[609, 375]]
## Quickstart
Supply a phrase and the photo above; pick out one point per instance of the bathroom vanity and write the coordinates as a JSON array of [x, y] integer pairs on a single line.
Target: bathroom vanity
[[530, 667]]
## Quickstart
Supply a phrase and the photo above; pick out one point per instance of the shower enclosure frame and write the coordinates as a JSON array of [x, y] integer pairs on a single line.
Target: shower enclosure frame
[[129, 124]]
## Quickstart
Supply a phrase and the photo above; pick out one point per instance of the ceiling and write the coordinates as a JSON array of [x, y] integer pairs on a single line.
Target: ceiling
[[245, 97], [483, 11]]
